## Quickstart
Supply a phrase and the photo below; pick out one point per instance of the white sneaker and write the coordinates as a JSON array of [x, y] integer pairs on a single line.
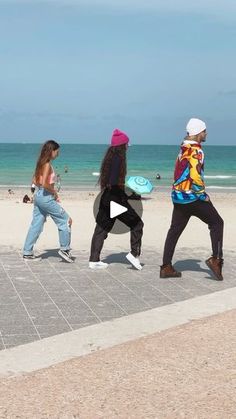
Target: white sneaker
[[134, 261], [98, 265]]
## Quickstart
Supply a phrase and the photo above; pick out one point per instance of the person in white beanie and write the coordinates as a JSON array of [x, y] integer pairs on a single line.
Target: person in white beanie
[[190, 199], [195, 126]]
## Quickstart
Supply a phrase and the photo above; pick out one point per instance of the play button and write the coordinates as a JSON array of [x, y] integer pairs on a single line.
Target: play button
[[116, 209], [111, 210]]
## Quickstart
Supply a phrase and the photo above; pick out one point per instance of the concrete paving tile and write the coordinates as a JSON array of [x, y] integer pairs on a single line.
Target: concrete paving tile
[[6, 287], [79, 309], [38, 309], [86, 322], [68, 268], [76, 319], [15, 319], [80, 284], [15, 340], [15, 316], [48, 330], [63, 298], [92, 293], [151, 294], [47, 319], [114, 284], [18, 281], [18, 329], [173, 289], [214, 285], [107, 309], [74, 277], [9, 299], [31, 288], [130, 304], [196, 291], [11, 273], [54, 286], [136, 281], [28, 291]]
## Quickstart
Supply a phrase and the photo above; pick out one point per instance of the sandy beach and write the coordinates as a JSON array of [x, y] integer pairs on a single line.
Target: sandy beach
[[157, 209]]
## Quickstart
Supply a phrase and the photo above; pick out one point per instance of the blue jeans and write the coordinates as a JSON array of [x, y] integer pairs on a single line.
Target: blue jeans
[[44, 205]]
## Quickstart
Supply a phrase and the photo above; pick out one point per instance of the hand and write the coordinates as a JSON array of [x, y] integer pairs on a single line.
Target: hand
[[207, 198]]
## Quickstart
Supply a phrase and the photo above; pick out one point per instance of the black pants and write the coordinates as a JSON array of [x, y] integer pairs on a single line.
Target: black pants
[[105, 224], [203, 210]]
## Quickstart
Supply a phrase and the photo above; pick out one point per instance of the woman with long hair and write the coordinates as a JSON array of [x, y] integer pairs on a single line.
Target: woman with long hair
[[46, 202], [112, 184]]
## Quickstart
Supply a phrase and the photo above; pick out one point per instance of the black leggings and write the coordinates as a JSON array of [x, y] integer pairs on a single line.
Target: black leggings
[[105, 224], [205, 211]]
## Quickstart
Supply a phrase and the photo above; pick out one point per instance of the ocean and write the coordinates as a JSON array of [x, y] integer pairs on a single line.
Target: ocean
[[82, 161]]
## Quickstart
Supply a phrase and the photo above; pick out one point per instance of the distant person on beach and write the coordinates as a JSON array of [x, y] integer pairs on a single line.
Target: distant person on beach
[[112, 181], [10, 191], [158, 176], [66, 169], [32, 188], [26, 199], [190, 199], [46, 202], [58, 182]]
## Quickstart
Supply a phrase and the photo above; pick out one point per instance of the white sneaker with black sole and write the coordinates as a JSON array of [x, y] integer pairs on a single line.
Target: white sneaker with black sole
[[134, 261], [66, 255], [98, 265]]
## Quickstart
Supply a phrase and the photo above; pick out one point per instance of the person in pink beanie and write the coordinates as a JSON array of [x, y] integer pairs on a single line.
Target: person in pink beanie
[[112, 184], [118, 138]]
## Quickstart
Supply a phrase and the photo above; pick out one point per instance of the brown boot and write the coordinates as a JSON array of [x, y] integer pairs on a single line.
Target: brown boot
[[215, 265], [167, 271]]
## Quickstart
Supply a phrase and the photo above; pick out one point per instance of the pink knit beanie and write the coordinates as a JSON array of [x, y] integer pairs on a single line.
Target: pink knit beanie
[[119, 138]]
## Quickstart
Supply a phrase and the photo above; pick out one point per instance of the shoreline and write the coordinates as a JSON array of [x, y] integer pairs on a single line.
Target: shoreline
[[85, 194], [21, 189]]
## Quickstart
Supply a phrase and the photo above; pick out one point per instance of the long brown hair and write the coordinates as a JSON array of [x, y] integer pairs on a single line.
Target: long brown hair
[[105, 169], [44, 157]]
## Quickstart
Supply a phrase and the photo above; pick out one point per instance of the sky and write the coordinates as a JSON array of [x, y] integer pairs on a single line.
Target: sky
[[74, 70]]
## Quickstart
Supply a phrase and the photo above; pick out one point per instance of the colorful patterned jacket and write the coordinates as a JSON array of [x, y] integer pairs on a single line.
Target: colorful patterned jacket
[[188, 183]]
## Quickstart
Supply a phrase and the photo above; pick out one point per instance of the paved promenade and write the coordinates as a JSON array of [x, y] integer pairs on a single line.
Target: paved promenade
[[138, 346], [39, 299]]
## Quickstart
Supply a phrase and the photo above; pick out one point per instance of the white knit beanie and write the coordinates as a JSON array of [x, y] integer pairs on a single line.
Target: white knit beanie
[[195, 126]]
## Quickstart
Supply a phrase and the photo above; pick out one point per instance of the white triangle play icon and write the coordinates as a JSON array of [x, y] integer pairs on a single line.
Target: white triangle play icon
[[116, 209]]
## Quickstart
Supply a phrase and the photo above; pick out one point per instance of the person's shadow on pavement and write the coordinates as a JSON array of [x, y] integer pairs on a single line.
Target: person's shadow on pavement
[[52, 253], [192, 265], [119, 258]]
